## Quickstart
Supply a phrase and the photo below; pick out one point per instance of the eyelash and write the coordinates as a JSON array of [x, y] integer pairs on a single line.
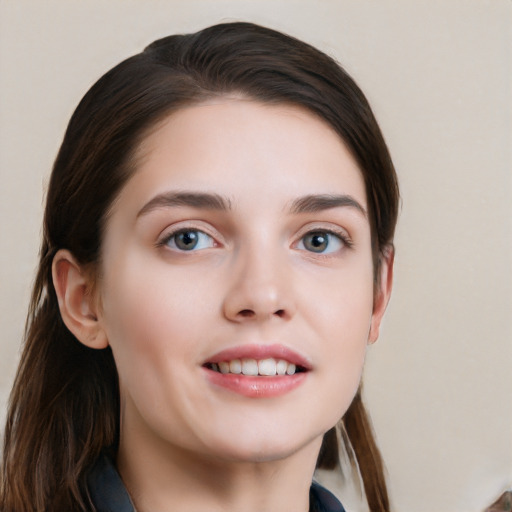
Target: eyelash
[[343, 239]]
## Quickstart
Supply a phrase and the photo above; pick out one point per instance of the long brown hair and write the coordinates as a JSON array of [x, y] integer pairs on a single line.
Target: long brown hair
[[64, 406]]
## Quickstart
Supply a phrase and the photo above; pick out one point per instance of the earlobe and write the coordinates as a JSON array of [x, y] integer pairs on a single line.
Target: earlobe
[[77, 302], [383, 293]]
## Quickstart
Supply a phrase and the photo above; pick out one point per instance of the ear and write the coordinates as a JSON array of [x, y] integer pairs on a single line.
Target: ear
[[78, 303], [384, 285]]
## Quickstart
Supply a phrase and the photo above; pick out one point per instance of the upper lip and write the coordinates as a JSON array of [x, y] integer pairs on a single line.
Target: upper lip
[[260, 351]]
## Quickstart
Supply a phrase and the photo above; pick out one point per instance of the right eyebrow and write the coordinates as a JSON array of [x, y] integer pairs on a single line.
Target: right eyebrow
[[202, 200], [320, 202]]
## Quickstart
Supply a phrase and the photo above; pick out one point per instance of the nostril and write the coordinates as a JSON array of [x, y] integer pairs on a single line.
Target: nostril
[[251, 313]]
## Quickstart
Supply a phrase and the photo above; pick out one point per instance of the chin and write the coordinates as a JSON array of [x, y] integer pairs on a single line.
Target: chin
[[261, 447]]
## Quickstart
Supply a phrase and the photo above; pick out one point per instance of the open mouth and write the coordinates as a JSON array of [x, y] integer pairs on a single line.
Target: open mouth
[[269, 367]]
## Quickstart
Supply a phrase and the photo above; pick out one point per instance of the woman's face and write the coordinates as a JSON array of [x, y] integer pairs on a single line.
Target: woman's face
[[241, 244]]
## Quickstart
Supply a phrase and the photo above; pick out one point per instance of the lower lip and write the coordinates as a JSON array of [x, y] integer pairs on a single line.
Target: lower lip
[[256, 387]]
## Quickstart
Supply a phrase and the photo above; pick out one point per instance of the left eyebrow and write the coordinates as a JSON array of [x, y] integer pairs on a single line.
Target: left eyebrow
[[199, 200], [316, 203]]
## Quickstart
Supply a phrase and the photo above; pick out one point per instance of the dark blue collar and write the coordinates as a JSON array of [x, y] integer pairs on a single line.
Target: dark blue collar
[[106, 488], [109, 494]]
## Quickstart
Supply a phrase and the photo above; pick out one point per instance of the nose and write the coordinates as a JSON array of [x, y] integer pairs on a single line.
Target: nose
[[261, 289]]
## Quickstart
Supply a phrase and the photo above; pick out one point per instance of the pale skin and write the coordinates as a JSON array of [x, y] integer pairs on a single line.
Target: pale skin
[[255, 185]]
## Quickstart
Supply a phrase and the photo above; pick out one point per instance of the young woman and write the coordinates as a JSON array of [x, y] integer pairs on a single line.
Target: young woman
[[217, 255]]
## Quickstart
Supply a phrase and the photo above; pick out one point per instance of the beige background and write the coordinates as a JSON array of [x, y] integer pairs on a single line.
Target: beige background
[[438, 74]]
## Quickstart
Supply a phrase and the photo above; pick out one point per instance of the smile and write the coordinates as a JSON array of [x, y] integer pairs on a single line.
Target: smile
[[264, 367], [257, 371]]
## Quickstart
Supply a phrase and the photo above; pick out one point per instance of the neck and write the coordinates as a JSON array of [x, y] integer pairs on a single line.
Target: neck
[[161, 477]]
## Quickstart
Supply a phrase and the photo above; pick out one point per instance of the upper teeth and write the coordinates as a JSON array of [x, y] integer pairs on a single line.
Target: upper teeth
[[267, 367]]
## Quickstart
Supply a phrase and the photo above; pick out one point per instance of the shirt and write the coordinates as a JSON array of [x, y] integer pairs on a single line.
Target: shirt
[[109, 494]]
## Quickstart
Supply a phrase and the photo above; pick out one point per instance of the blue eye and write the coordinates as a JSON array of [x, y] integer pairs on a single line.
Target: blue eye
[[189, 240], [321, 242]]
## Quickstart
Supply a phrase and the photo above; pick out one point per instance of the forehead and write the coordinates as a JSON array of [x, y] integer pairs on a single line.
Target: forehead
[[232, 145]]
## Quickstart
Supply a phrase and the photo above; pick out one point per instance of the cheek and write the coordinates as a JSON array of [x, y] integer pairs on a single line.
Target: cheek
[[341, 314], [340, 304], [153, 315], [155, 318]]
